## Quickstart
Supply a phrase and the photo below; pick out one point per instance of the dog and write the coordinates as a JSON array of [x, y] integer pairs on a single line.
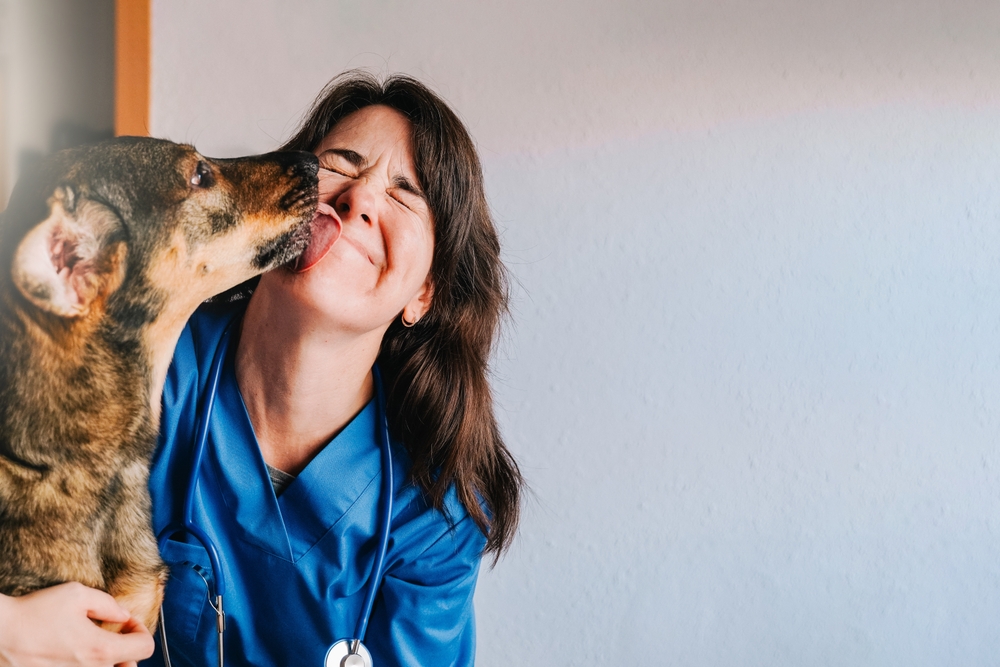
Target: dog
[[105, 251]]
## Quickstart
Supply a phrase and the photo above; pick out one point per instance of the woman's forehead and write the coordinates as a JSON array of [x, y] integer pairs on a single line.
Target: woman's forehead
[[373, 128]]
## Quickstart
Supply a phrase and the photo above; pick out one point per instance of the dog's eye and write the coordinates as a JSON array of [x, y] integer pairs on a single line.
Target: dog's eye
[[202, 177]]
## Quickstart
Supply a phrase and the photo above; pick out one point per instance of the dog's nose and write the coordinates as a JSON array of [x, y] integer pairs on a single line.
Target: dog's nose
[[300, 164]]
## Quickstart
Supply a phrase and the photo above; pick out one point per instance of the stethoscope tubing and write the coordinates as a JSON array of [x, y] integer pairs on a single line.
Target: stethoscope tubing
[[388, 484], [218, 581], [188, 525]]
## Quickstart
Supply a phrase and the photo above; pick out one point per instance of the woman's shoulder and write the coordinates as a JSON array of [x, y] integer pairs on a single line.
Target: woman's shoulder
[[204, 329], [194, 352], [424, 528], [200, 337]]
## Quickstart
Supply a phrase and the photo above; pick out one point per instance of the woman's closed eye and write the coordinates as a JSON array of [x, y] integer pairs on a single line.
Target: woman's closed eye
[[342, 161], [401, 197], [339, 170], [404, 191]]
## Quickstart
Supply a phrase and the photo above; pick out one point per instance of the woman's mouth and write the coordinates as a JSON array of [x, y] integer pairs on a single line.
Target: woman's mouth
[[326, 228], [359, 249]]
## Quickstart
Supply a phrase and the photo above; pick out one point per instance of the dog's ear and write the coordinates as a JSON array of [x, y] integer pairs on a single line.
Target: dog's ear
[[62, 264]]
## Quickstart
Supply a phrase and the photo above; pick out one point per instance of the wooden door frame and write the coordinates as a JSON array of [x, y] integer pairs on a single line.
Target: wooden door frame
[[132, 61]]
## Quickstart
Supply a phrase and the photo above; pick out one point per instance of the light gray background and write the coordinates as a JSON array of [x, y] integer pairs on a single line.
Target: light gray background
[[56, 66], [752, 374]]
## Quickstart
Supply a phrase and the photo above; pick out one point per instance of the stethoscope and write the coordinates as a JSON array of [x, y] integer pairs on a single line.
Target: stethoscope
[[344, 653]]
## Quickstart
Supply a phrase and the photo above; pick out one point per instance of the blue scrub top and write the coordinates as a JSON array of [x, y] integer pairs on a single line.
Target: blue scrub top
[[297, 566]]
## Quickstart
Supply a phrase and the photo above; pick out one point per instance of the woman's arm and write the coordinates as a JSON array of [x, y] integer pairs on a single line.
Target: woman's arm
[[54, 627]]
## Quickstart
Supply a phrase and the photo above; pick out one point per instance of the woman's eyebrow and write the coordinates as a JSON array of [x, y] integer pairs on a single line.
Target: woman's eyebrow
[[405, 184], [356, 159]]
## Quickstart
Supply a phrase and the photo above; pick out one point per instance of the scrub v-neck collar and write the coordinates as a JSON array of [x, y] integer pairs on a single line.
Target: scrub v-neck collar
[[320, 496]]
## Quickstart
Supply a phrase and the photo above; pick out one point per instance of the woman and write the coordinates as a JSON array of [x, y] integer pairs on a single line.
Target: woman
[[403, 270]]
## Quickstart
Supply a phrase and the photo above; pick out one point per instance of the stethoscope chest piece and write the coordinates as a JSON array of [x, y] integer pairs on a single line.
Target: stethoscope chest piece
[[340, 655]]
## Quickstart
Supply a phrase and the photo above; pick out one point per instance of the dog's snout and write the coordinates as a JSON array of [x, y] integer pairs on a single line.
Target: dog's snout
[[302, 170], [298, 164]]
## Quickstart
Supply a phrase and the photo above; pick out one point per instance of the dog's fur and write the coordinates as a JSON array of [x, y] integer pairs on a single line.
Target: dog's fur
[[105, 251]]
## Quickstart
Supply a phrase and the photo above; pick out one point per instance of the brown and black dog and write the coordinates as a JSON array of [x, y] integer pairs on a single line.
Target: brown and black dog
[[105, 251]]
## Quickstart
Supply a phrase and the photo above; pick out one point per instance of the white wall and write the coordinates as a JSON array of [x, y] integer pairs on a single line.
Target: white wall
[[754, 372]]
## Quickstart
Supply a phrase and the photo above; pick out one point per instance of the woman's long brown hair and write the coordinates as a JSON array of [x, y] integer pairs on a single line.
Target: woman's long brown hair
[[439, 401]]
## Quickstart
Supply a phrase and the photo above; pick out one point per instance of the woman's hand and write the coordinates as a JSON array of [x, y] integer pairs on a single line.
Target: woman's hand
[[54, 627]]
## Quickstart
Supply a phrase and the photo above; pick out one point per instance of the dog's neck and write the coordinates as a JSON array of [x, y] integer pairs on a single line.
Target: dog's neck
[[160, 338], [76, 388]]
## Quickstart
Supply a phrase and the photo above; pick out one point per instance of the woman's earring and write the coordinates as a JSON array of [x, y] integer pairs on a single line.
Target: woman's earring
[[407, 324]]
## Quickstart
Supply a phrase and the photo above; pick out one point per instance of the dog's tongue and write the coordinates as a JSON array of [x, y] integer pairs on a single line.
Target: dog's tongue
[[324, 233]]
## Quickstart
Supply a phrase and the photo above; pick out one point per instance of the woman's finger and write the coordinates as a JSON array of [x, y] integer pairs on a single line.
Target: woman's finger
[[130, 648], [98, 605], [133, 625]]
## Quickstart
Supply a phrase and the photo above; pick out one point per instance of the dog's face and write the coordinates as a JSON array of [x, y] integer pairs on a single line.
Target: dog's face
[[143, 229]]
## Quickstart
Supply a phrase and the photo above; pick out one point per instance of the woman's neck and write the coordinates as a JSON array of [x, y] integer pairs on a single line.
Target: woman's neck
[[301, 381]]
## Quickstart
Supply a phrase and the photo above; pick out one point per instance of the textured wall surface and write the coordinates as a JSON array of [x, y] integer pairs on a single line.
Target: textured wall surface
[[754, 371]]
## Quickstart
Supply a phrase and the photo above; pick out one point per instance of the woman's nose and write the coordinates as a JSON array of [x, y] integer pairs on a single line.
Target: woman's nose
[[358, 202]]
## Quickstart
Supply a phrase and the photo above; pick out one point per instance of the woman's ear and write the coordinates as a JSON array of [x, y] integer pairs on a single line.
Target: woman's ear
[[419, 304]]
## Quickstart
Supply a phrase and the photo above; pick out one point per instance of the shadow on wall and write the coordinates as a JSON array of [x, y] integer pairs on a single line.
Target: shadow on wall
[[56, 79], [65, 134]]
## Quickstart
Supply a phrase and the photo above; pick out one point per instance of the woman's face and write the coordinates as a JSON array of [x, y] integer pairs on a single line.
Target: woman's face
[[380, 264]]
